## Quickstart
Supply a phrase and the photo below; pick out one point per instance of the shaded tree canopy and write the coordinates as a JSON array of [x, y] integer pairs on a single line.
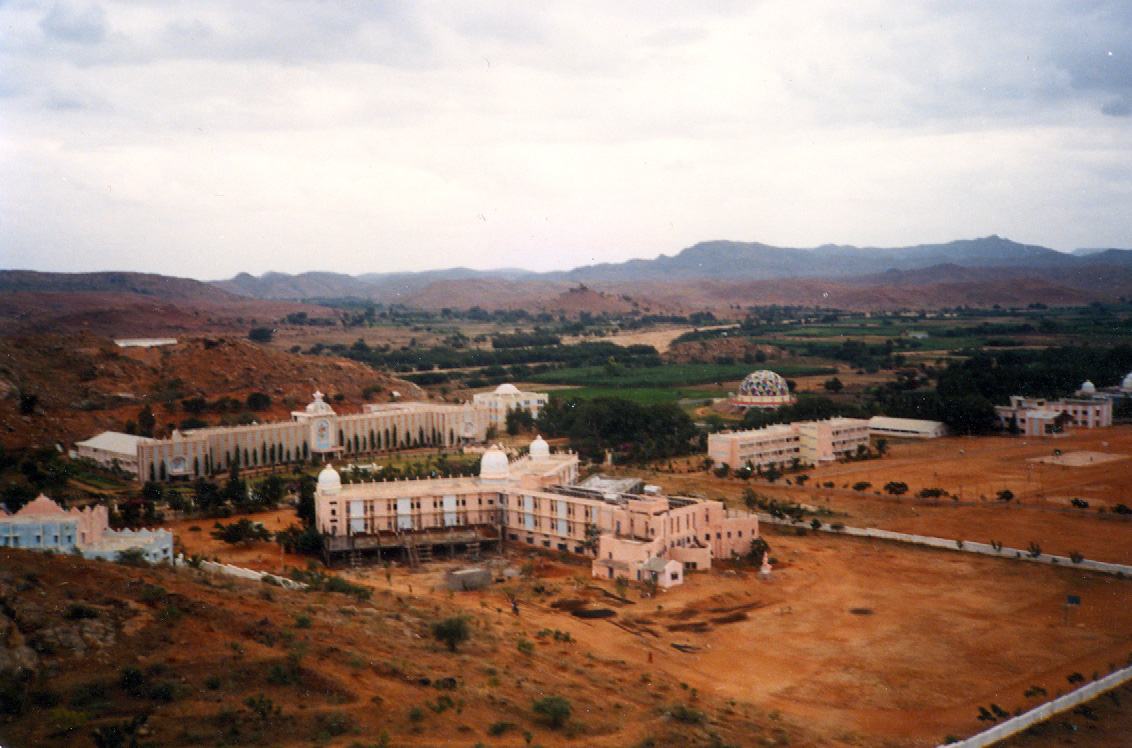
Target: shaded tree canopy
[[635, 432]]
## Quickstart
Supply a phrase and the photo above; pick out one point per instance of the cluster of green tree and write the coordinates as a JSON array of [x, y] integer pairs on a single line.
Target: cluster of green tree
[[1049, 373], [635, 433], [214, 500], [25, 477], [133, 513], [302, 318], [808, 408], [861, 355], [535, 339], [519, 419], [241, 531], [984, 329], [969, 413], [261, 334]]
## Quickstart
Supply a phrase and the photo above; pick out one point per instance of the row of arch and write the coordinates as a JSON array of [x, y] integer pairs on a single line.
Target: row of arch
[[267, 455]]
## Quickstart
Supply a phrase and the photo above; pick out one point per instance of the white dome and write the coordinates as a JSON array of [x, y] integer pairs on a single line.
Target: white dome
[[329, 481], [539, 448], [493, 464], [1088, 388], [507, 389], [1127, 383]]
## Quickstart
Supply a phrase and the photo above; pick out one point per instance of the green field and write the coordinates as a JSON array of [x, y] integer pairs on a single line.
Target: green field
[[672, 375]]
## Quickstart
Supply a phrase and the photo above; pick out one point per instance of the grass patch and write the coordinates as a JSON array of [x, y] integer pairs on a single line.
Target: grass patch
[[671, 375]]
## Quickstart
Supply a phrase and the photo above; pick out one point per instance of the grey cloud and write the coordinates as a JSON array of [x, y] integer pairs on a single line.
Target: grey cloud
[[1117, 108], [82, 25]]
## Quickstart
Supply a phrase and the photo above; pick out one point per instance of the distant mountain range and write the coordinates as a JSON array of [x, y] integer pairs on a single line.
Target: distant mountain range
[[716, 260]]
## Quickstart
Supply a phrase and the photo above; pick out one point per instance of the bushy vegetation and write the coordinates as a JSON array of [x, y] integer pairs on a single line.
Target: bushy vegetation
[[452, 631], [808, 408], [319, 580], [554, 710], [242, 531], [634, 432]]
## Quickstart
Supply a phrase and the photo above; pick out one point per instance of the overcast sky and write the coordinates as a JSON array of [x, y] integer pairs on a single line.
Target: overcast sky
[[206, 138]]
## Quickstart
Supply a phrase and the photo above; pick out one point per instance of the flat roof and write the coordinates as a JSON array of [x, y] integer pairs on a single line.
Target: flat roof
[[888, 422]]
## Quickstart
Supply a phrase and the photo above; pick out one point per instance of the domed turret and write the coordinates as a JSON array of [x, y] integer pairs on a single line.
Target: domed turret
[[493, 465], [539, 448], [507, 389], [329, 482], [318, 406], [1088, 388]]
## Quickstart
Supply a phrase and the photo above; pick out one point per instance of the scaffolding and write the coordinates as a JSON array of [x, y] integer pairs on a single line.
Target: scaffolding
[[415, 547]]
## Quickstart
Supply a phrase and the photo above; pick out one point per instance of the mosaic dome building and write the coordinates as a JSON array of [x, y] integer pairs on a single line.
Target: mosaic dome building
[[762, 389]]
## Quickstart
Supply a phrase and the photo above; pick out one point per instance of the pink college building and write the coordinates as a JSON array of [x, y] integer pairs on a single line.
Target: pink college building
[[535, 500]]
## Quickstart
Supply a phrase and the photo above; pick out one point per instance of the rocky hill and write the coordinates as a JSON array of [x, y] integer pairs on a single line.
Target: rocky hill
[[157, 656], [82, 383]]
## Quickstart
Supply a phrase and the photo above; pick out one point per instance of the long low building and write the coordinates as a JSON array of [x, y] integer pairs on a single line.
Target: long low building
[[809, 442], [906, 428], [533, 501], [111, 449], [315, 430]]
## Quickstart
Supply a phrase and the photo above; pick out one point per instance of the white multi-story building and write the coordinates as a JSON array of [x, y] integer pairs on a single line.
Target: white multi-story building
[[533, 501], [810, 442], [505, 398], [772, 445], [1037, 417]]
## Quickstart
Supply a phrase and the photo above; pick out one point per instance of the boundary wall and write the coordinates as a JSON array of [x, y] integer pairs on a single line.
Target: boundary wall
[[242, 573], [1041, 713], [984, 549]]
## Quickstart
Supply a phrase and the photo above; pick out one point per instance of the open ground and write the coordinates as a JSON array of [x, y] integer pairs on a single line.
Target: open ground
[[864, 642]]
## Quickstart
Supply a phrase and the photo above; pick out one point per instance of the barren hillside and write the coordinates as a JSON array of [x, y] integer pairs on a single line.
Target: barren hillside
[[182, 658], [84, 383]]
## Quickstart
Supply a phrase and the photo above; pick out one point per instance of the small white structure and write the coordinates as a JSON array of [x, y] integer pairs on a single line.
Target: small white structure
[[144, 342], [156, 546], [906, 428], [110, 449]]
